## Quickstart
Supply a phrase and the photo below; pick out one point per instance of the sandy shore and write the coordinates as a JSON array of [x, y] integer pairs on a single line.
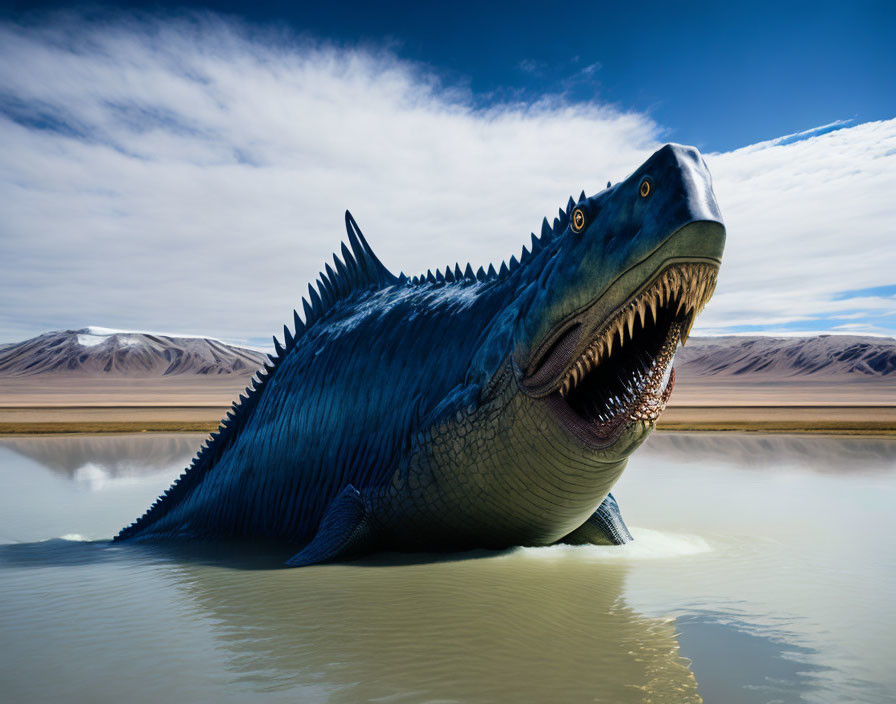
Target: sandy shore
[[175, 405], [864, 420]]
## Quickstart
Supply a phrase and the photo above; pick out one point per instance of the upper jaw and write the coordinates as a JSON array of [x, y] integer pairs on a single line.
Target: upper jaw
[[679, 287], [680, 290]]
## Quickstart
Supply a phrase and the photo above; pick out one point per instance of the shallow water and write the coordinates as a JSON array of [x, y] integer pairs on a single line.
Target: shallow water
[[763, 571]]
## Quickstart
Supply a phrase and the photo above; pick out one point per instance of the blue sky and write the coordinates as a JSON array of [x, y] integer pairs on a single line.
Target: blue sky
[[179, 169], [716, 75]]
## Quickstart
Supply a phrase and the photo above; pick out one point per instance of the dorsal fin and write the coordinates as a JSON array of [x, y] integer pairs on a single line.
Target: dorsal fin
[[368, 263], [359, 269]]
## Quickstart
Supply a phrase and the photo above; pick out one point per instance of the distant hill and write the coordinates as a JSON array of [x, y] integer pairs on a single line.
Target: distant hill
[[99, 352], [818, 358]]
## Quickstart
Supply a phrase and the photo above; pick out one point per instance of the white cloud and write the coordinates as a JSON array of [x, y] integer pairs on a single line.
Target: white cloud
[[196, 174], [806, 221]]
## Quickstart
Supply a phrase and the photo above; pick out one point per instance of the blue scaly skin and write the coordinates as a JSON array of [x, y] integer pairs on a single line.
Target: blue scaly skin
[[461, 409]]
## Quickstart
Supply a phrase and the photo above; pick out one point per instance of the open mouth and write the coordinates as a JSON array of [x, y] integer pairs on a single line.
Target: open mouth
[[625, 372]]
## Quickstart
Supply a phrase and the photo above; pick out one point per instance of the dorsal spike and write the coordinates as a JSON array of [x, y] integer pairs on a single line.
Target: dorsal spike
[[536, 244], [491, 273], [480, 274], [309, 313], [278, 348], [503, 271], [569, 206], [415, 280], [449, 275], [581, 196], [287, 338], [346, 284], [609, 185], [316, 304], [458, 274], [297, 323], [326, 293], [440, 278], [334, 283], [468, 272], [351, 266], [524, 256], [556, 226], [545, 228], [513, 263], [430, 277]]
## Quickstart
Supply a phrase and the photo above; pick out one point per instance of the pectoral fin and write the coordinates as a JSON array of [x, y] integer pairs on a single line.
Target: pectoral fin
[[604, 527], [343, 533]]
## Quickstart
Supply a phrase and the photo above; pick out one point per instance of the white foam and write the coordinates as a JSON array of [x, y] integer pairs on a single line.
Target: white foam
[[647, 545], [74, 537]]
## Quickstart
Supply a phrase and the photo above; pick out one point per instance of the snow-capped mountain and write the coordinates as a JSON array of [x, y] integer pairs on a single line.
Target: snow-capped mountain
[[94, 351], [817, 357]]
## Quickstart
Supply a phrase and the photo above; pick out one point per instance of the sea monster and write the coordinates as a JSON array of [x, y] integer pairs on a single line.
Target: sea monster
[[461, 409]]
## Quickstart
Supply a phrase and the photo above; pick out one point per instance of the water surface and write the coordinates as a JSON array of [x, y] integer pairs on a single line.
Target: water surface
[[763, 571]]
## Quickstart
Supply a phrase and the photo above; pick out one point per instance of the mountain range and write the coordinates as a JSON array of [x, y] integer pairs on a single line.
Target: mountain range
[[100, 352]]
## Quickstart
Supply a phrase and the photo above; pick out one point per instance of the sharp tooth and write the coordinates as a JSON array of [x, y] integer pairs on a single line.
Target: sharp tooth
[[701, 292], [642, 311], [687, 331], [653, 306], [609, 342], [630, 319]]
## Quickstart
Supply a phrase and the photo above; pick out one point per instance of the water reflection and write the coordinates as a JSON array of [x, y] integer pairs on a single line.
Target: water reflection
[[758, 613], [115, 456], [819, 453], [505, 627], [736, 665]]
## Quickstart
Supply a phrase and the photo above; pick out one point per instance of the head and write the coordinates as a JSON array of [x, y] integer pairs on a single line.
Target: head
[[615, 292]]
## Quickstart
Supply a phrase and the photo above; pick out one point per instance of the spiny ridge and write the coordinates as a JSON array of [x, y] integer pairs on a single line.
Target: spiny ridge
[[548, 233]]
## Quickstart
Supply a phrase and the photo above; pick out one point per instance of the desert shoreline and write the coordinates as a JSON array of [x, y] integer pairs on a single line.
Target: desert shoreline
[[853, 419]]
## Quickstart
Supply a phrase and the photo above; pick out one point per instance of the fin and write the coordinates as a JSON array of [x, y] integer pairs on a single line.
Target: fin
[[604, 527], [343, 533]]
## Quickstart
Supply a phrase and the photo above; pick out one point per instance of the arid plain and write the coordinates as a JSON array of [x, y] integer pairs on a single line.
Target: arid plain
[[101, 381]]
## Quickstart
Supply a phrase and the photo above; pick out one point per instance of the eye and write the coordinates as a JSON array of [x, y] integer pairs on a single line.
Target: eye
[[644, 190], [578, 220]]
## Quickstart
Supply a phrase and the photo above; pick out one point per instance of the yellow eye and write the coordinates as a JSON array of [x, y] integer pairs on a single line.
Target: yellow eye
[[577, 222], [645, 188]]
